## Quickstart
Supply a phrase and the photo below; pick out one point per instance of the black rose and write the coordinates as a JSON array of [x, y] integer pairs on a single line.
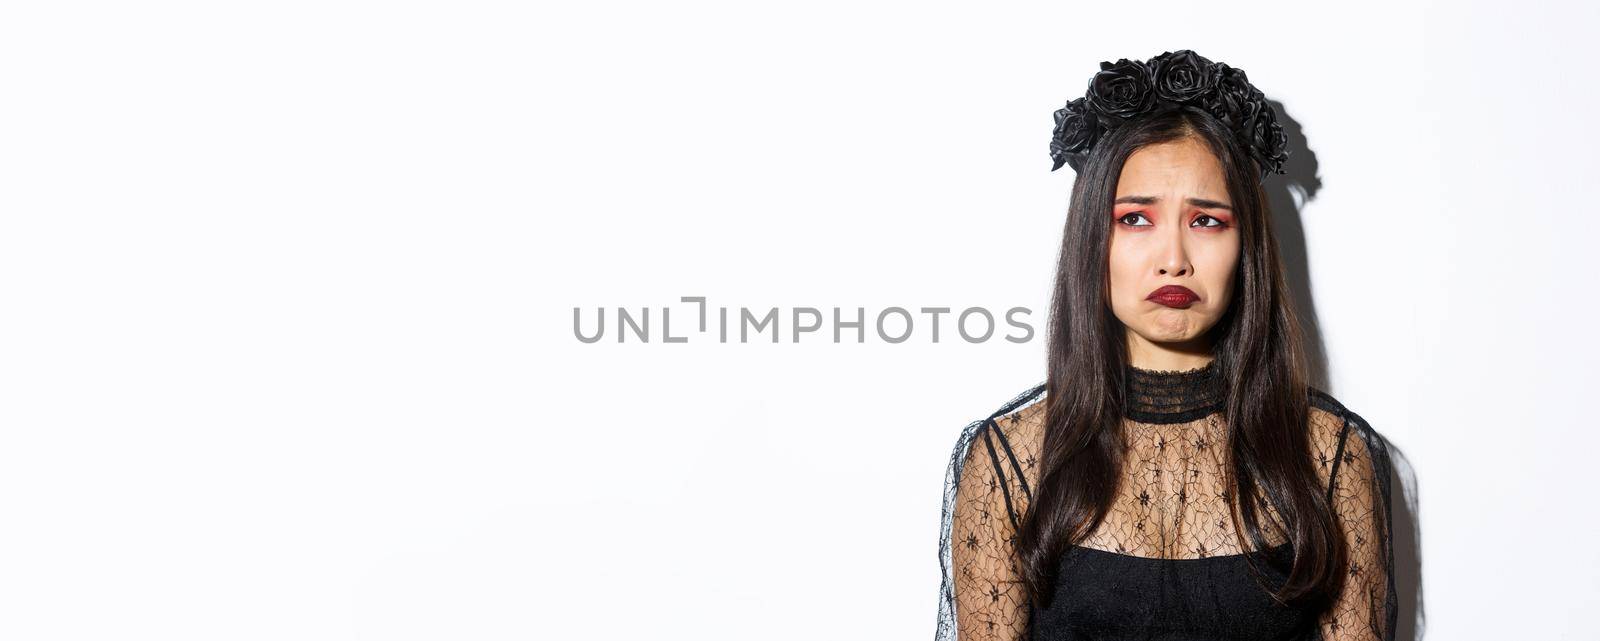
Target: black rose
[[1267, 140], [1126, 89], [1248, 113], [1183, 76], [1076, 130], [1230, 103], [1120, 91]]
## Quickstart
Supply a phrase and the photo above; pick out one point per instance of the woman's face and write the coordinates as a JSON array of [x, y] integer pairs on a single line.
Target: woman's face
[[1174, 247]]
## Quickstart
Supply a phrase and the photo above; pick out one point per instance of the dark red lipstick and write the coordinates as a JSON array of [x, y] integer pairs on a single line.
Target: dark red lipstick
[[1173, 296]]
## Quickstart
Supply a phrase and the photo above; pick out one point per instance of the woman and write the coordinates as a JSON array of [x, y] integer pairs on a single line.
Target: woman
[[1175, 477]]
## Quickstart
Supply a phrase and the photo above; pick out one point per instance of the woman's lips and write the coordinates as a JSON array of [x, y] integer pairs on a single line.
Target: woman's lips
[[1173, 296]]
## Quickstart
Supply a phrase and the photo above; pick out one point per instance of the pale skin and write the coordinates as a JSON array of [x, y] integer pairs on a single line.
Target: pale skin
[[1172, 224]]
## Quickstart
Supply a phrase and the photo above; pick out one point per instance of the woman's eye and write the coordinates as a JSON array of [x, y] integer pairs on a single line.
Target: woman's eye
[[1219, 223], [1125, 217]]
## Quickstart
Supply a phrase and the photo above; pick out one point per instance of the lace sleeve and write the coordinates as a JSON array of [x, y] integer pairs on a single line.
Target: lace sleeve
[[982, 597], [1366, 608]]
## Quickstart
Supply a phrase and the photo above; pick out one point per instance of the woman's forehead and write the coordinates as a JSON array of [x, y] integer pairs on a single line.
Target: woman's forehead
[[1183, 167]]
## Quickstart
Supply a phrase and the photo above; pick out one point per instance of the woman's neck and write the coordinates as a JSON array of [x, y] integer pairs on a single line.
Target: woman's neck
[[1172, 396]]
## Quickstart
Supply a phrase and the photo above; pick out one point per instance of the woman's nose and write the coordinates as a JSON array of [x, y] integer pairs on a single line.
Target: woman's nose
[[1174, 256]]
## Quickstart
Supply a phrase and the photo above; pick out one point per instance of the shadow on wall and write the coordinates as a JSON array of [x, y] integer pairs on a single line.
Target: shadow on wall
[[1286, 194]]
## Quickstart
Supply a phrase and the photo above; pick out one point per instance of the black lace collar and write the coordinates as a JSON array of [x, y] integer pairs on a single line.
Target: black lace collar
[[1175, 396]]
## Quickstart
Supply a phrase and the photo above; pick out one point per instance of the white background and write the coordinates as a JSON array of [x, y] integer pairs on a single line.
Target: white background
[[286, 349]]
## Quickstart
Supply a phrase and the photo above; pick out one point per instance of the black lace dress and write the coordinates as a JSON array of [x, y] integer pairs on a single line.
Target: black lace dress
[[1164, 564]]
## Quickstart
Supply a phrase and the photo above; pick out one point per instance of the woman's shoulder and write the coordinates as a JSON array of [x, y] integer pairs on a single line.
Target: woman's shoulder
[[1341, 437], [1022, 417], [1009, 437], [1331, 416]]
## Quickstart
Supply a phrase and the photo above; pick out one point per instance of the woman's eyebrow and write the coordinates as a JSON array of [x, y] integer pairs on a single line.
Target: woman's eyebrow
[[1203, 203]]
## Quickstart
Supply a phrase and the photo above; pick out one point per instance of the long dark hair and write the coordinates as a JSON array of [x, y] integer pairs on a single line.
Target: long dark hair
[[1257, 350]]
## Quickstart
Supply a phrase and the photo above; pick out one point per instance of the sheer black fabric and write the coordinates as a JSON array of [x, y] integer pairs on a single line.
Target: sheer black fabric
[[1165, 563]]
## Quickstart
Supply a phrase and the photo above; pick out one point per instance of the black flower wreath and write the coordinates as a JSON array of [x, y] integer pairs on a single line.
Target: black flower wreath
[[1126, 89]]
